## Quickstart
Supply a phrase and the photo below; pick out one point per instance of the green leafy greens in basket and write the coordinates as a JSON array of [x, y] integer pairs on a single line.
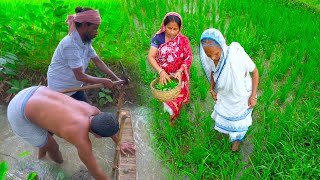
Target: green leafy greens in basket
[[166, 87]]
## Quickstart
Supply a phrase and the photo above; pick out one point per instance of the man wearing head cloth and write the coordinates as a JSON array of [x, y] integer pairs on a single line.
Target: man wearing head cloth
[[73, 54]]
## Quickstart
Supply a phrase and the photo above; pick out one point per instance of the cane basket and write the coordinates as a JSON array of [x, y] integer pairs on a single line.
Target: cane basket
[[165, 96]]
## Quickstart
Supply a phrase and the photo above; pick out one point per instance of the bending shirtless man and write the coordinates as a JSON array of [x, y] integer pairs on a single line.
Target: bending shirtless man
[[37, 112]]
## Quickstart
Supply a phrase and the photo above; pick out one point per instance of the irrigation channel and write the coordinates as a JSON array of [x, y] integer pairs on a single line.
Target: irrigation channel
[[11, 146]]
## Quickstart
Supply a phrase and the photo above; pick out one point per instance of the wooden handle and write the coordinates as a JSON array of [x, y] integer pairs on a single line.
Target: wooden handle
[[93, 86]]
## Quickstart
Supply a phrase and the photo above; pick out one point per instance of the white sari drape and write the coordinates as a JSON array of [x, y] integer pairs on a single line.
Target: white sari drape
[[233, 85]]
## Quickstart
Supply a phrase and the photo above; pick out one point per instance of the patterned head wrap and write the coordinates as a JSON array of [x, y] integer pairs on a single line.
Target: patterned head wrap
[[91, 16]]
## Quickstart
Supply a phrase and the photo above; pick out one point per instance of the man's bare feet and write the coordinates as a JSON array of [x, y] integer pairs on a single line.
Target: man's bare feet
[[235, 146]]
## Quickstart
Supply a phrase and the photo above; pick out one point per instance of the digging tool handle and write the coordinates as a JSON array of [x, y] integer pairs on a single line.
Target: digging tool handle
[[93, 86]]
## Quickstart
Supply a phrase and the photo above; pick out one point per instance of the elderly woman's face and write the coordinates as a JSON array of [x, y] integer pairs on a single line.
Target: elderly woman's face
[[172, 29], [213, 52]]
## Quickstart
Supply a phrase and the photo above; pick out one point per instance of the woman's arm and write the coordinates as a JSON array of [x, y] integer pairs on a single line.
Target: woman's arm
[[212, 85], [164, 77], [152, 59], [255, 81]]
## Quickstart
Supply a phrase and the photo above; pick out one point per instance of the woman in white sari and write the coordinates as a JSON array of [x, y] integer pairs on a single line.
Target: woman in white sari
[[228, 70]]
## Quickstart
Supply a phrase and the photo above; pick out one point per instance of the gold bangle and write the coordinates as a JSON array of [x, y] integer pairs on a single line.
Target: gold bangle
[[160, 71], [180, 71], [253, 97]]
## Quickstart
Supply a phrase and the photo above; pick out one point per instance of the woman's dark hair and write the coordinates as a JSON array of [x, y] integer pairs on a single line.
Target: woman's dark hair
[[104, 124], [172, 18], [81, 9]]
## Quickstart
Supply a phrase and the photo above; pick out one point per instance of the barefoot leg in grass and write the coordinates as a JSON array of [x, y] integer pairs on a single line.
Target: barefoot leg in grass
[[235, 146], [172, 120], [172, 123]]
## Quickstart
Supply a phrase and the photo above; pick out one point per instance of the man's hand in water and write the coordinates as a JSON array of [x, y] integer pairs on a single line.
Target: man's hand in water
[[126, 148]]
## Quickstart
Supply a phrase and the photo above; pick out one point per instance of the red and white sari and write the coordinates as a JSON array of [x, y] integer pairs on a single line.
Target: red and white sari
[[171, 56]]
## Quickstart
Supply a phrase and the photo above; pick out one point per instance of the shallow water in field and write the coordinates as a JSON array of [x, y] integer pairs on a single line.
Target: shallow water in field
[[72, 168]]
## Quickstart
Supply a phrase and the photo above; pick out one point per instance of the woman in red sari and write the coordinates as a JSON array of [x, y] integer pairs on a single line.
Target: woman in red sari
[[170, 54]]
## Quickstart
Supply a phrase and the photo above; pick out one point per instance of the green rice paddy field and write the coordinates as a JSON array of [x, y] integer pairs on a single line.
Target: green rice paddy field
[[281, 36]]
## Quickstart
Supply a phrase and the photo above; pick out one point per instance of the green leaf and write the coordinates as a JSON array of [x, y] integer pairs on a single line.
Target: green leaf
[[60, 176], [101, 95], [32, 176], [53, 1], [59, 2], [11, 91], [24, 83], [170, 85], [48, 5], [3, 170], [58, 13], [106, 90], [102, 101], [109, 98], [2, 61], [11, 61], [24, 154], [10, 83], [11, 56]]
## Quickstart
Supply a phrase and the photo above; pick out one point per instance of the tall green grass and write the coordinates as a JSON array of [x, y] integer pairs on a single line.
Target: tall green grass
[[282, 39], [280, 36]]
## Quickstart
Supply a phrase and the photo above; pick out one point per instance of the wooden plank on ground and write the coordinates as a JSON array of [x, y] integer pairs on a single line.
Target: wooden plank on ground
[[125, 167]]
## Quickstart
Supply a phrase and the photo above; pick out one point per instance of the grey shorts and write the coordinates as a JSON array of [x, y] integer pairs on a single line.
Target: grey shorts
[[20, 124]]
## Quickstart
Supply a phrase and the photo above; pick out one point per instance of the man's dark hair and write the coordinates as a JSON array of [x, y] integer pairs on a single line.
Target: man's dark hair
[[82, 9], [172, 18], [104, 124]]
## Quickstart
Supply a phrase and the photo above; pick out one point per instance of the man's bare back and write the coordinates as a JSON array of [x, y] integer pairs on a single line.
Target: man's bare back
[[68, 119], [60, 114], [46, 110]]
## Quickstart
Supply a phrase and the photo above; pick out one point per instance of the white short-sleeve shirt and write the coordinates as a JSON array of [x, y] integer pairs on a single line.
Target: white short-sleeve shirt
[[71, 53]]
